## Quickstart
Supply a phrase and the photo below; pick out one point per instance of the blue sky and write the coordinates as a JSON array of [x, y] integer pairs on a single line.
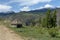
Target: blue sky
[[27, 5]]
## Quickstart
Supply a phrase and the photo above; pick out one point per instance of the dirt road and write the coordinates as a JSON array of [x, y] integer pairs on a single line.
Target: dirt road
[[7, 34]]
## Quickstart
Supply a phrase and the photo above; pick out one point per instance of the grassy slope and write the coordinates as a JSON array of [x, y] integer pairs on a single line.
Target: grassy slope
[[38, 33]]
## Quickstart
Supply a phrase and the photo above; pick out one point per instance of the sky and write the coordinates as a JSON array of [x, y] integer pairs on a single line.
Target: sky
[[27, 5]]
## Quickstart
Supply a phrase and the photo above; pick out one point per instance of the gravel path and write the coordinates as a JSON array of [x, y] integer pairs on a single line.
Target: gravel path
[[7, 34]]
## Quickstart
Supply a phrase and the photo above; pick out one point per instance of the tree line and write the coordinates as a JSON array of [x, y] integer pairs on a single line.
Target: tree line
[[49, 20]]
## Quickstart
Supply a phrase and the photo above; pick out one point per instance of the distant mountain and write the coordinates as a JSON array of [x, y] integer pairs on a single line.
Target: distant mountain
[[39, 11], [6, 13], [10, 14]]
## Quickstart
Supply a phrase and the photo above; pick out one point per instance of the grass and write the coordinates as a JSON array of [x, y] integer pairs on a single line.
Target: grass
[[38, 33]]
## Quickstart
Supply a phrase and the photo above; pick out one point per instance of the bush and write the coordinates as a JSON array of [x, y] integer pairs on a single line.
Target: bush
[[53, 32]]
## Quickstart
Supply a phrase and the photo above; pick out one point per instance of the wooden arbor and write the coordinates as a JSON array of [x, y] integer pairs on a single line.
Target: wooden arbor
[[17, 23]]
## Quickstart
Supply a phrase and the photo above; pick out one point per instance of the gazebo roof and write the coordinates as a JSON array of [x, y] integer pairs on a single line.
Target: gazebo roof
[[16, 22]]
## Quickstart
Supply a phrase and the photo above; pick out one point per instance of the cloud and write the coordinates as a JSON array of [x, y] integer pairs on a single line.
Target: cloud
[[28, 2], [32, 2], [25, 9], [4, 8], [47, 6], [58, 6]]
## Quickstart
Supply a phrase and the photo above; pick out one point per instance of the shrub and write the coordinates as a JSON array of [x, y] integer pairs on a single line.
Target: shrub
[[53, 32]]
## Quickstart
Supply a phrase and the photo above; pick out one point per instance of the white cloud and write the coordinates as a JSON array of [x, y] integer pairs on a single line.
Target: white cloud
[[32, 2], [28, 2], [4, 8], [25, 9], [58, 6], [47, 6]]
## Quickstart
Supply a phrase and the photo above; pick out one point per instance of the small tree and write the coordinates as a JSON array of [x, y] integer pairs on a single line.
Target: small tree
[[51, 19], [48, 19], [54, 19]]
